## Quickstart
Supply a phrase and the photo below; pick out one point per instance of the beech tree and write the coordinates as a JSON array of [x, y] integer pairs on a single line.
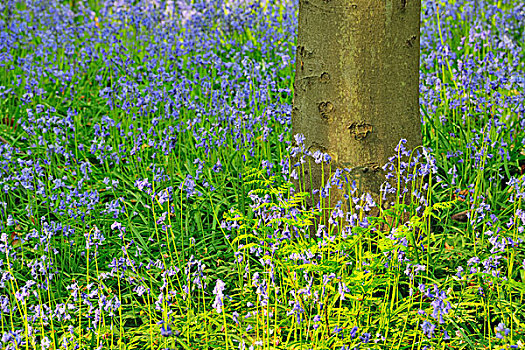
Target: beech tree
[[356, 89]]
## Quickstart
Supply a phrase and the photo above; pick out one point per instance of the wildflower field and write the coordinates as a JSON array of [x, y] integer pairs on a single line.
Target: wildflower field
[[146, 198]]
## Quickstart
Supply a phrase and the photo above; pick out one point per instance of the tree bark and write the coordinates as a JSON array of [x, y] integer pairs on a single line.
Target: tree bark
[[356, 89]]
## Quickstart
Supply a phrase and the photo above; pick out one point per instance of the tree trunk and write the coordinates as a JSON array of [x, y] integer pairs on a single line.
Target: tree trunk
[[356, 89]]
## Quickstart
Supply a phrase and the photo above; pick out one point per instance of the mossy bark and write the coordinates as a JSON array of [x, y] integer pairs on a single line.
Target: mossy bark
[[356, 89]]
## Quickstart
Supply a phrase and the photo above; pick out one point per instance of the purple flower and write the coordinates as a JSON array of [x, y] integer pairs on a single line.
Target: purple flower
[[217, 167], [428, 329], [365, 337], [165, 330], [217, 291], [299, 139], [353, 332], [186, 11], [501, 329], [297, 310]]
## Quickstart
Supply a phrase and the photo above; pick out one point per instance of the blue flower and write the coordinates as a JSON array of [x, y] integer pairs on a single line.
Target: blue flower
[[353, 332], [166, 331], [502, 329], [217, 291], [365, 337], [428, 329]]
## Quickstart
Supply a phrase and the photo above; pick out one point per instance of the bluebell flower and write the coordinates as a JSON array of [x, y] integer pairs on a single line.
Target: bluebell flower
[[501, 331], [218, 292], [428, 328]]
